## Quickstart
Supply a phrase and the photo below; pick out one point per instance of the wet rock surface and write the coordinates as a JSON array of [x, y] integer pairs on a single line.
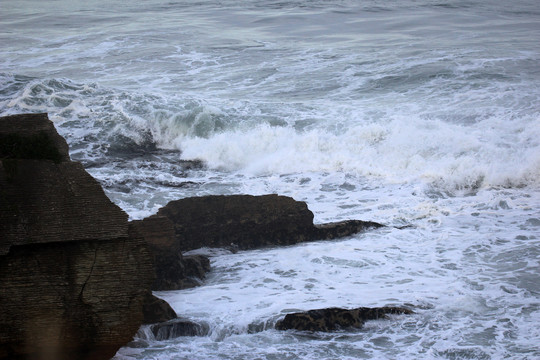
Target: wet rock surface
[[331, 319], [178, 327], [343, 228]]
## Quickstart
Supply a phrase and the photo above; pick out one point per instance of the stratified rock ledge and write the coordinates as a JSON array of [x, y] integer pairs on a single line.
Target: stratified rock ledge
[[239, 222], [73, 277]]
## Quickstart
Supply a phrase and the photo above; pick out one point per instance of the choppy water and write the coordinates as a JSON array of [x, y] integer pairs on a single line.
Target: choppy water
[[403, 112]]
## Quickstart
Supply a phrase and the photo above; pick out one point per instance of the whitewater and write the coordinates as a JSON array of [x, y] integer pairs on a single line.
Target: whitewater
[[420, 113]]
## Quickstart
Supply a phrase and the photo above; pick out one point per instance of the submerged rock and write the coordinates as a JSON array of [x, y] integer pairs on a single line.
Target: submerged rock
[[72, 276], [331, 319], [249, 222], [196, 268], [179, 327]]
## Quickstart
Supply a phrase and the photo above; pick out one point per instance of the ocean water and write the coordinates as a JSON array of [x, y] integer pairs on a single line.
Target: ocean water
[[422, 113]]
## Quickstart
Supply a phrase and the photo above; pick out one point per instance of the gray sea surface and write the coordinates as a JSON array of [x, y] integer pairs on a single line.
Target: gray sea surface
[[422, 113]]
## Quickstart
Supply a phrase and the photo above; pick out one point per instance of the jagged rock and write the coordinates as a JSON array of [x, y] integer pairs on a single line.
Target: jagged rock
[[72, 275], [249, 222], [173, 271], [331, 319], [157, 310], [179, 327]]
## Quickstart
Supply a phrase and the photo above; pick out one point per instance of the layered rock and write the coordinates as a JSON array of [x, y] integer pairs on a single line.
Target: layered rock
[[73, 277], [331, 319], [46, 197], [249, 222]]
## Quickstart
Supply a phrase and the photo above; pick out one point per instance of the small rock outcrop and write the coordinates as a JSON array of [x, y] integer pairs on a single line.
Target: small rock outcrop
[[343, 228], [249, 222], [73, 277], [331, 319]]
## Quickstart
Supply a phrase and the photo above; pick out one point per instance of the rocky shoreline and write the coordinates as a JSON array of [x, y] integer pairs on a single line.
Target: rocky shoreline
[[76, 277]]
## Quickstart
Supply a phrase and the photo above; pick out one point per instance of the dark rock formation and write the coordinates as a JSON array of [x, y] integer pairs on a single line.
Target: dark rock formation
[[72, 300], [331, 319], [343, 228], [178, 327], [47, 198], [156, 310], [173, 271], [31, 137], [196, 268], [72, 275], [249, 222]]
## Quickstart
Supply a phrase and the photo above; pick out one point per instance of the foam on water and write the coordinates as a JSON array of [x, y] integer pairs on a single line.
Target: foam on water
[[497, 146], [401, 150], [472, 291]]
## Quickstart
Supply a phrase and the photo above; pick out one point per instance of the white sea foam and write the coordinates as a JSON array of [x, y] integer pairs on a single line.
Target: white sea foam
[[442, 154], [462, 308]]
